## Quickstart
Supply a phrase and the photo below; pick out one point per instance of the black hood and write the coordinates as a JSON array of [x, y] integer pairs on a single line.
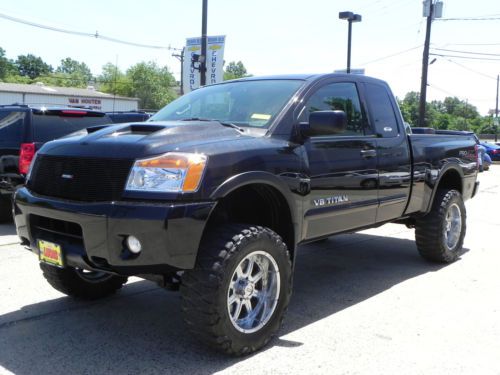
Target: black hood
[[139, 140]]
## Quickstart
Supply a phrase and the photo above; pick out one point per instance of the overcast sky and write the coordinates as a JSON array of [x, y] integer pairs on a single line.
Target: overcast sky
[[274, 37]]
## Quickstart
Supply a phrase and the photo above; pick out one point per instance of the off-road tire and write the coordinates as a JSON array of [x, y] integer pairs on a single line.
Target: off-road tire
[[205, 288], [5, 208], [68, 281], [429, 230]]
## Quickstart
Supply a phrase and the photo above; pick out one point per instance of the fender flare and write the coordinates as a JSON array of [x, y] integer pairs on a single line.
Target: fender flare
[[264, 178], [448, 167]]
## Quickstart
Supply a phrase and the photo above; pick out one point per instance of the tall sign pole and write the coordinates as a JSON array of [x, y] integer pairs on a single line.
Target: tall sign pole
[[203, 65], [425, 66]]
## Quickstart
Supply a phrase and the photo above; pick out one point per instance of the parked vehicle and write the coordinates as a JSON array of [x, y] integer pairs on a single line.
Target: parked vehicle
[[214, 194], [23, 130], [128, 116], [492, 150], [486, 162]]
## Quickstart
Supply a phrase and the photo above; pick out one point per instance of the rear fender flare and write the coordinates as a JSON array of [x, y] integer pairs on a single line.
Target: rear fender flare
[[435, 184]]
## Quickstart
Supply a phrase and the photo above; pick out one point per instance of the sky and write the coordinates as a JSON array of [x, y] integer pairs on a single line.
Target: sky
[[276, 37]]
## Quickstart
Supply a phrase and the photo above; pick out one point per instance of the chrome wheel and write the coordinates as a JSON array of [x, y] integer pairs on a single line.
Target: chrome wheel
[[92, 276], [253, 292], [453, 226]]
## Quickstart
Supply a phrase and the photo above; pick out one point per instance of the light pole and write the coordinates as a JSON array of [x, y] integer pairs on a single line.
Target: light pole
[[350, 17]]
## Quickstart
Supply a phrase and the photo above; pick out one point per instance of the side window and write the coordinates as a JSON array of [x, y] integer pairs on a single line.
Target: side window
[[338, 96], [382, 111], [11, 129]]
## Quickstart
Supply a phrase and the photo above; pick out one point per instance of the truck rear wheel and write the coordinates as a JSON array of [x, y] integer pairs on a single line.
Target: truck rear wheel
[[5, 208], [236, 297], [80, 283], [440, 234]]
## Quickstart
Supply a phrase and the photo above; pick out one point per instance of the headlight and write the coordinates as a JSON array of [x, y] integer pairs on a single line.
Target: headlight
[[172, 172]]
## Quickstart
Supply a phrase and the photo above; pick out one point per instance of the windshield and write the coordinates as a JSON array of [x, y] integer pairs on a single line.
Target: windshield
[[243, 103]]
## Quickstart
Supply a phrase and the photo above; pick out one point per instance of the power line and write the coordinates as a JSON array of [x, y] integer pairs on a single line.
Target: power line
[[84, 34], [467, 52], [465, 57], [469, 19], [392, 55], [472, 44], [471, 70]]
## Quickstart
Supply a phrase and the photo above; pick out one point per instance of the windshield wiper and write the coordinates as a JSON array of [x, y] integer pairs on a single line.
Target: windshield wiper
[[196, 119], [230, 125], [223, 123]]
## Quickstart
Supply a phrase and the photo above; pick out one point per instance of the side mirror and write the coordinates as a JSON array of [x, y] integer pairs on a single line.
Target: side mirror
[[324, 123]]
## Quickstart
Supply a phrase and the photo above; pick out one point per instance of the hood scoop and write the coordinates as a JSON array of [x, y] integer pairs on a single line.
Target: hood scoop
[[137, 129]]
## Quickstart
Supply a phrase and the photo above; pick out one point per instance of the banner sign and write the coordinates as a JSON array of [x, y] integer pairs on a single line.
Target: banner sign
[[214, 62]]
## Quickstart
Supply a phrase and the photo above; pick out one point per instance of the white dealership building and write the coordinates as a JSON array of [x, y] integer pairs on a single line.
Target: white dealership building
[[42, 95]]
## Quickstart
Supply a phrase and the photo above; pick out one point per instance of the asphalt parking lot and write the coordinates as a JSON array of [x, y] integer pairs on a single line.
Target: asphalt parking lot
[[363, 303]]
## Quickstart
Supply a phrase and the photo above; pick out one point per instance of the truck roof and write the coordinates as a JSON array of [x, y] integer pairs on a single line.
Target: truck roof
[[313, 77]]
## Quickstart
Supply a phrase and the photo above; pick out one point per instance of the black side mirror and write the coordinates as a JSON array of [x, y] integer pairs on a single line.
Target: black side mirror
[[324, 123]]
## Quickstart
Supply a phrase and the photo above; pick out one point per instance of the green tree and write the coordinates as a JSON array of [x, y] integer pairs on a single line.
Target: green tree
[[74, 69], [113, 81], [32, 66], [152, 84], [409, 107], [235, 70], [7, 67]]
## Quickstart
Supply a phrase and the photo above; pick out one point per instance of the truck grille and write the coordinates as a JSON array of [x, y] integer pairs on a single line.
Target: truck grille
[[79, 179]]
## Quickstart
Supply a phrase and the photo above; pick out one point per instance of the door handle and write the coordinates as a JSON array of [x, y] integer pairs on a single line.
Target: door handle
[[368, 153]]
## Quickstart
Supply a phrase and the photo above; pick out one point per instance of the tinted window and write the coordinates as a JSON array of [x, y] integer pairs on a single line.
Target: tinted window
[[49, 127], [338, 96], [382, 111], [11, 128]]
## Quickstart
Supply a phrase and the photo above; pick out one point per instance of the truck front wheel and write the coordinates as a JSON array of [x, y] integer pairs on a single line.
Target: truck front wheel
[[80, 283], [236, 296], [440, 234]]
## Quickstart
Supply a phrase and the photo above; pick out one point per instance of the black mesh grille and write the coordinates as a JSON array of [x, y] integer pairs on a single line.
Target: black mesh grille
[[80, 179]]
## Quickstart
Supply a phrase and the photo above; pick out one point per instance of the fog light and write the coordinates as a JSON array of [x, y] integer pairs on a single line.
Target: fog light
[[133, 244]]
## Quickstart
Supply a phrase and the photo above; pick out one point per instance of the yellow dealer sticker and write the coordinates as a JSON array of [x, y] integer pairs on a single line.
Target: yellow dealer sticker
[[260, 116]]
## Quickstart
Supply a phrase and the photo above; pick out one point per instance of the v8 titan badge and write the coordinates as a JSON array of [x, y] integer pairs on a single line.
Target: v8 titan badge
[[327, 201], [50, 253]]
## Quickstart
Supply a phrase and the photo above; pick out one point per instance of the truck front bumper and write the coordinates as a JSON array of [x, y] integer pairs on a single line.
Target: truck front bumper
[[92, 235]]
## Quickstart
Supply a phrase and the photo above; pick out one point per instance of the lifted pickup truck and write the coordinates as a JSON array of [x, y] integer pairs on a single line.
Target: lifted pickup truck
[[216, 191]]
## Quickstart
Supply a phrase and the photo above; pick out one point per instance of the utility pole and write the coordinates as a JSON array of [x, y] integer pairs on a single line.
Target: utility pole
[[496, 111], [203, 64], [180, 56], [425, 66]]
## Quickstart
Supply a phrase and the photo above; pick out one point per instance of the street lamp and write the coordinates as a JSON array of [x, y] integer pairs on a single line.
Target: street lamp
[[350, 17]]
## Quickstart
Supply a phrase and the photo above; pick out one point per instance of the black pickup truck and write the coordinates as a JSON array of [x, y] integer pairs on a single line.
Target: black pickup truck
[[215, 193]]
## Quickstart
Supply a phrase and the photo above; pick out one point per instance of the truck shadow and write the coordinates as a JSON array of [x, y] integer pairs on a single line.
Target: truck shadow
[[141, 330]]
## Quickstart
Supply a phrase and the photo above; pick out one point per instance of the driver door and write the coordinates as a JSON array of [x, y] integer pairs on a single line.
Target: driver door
[[342, 167]]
